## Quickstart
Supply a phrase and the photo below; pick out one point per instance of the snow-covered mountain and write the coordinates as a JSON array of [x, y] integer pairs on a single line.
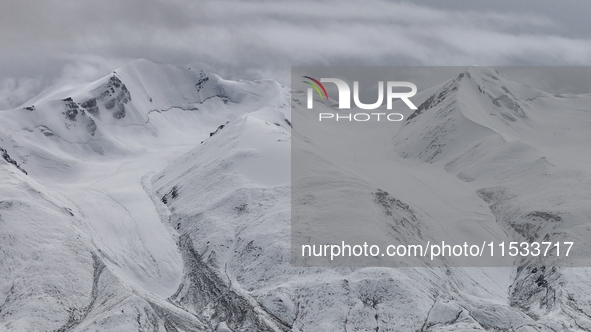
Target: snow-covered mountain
[[159, 199], [84, 245]]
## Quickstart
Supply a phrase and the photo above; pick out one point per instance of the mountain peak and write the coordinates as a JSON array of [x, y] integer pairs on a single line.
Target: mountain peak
[[470, 107], [484, 89], [477, 72], [138, 101]]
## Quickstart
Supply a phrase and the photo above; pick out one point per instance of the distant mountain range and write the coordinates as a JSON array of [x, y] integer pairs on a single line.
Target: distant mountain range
[[158, 198]]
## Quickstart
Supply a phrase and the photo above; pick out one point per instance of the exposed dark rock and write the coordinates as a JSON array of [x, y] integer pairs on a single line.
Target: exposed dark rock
[[241, 209], [174, 193], [201, 81], [8, 159], [219, 128], [545, 216], [541, 281], [203, 288], [534, 289], [91, 106], [403, 217], [72, 109], [436, 99], [530, 225], [120, 111], [115, 96], [505, 101]]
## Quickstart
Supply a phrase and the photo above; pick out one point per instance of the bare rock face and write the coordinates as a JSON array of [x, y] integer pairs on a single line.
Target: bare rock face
[[203, 78], [9, 160], [115, 97], [72, 109], [90, 106]]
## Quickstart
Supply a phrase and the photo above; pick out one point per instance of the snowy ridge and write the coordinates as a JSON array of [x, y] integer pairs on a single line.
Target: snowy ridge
[[159, 199], [521, 160], [127, 260]]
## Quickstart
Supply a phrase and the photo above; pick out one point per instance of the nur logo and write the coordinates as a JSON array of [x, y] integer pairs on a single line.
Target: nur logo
[[345, 98], [316, 87]]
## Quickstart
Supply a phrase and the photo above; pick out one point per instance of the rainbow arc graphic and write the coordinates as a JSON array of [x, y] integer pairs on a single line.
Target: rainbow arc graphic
[[317, 86]]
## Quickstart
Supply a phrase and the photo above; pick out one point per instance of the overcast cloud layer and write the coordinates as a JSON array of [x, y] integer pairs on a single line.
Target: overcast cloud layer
[[49, 40]]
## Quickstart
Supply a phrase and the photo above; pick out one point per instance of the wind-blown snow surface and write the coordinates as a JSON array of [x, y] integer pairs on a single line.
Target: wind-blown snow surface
[[158, 199]]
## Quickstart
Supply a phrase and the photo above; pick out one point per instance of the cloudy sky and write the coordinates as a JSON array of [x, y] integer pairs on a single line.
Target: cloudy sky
[[44, 41]]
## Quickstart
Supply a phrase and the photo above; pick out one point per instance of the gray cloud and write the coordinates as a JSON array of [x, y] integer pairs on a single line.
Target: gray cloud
[[256, 39], [15, 91]]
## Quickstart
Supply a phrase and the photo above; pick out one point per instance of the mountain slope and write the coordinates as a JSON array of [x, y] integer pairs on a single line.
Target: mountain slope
[[88, 152], [159, 199], [520, 152]]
